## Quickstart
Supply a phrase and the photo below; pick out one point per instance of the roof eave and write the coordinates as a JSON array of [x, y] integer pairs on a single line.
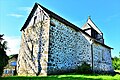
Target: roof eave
[[103, 44]]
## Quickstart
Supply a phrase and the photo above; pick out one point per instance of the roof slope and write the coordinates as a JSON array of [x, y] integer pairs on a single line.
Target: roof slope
[[91, 24], [89, 21], [51, 14]]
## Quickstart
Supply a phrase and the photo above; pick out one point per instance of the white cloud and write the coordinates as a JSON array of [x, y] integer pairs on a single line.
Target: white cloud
[[27, 9], [13, 44], [16, 15]]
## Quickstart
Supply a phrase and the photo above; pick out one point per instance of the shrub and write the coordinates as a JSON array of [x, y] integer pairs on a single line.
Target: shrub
[[116, 63], [84, 68]]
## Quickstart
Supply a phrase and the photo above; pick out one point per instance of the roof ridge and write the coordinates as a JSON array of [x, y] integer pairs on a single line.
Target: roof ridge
[[89, 18]]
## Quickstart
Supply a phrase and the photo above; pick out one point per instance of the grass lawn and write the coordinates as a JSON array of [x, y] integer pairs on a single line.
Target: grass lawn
[[67, 77]]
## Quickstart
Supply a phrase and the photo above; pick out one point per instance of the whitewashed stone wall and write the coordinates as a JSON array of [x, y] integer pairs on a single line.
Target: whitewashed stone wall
[[101, 58], [33, 55], [67, 48]]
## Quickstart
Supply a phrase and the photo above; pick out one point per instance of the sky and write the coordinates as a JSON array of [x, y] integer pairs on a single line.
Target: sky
[[104, 13]]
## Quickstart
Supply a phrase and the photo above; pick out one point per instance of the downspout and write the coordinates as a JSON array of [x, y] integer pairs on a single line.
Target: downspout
[[92, 54]]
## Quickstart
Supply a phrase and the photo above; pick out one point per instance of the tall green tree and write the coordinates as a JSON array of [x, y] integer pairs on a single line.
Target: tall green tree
[[3, 57]]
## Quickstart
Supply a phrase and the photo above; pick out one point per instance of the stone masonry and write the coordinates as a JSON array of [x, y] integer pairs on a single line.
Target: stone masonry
[[33, 55], [68, 48]]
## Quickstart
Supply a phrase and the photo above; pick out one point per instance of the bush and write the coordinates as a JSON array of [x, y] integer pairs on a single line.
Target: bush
[[116, 63], [84, 68]]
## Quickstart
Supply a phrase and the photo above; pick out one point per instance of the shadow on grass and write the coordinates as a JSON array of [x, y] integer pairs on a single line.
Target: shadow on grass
[[117, 73], [47, 78], [71, 76]]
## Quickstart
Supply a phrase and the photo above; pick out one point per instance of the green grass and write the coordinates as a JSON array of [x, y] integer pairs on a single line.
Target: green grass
[[66, 77]]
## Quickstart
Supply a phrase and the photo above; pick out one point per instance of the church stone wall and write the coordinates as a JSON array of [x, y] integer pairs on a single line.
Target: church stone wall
[[33, 54], [101, 58], [67, 48]]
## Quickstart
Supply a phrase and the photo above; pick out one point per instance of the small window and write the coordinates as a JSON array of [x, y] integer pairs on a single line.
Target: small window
[[52, 23], [13, 71], [34, 20], [103, 55], [99, 57], [10, 71], [5, 71], [13, 63]]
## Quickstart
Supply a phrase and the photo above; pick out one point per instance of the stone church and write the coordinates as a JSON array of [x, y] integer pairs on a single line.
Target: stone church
[[53, 45]]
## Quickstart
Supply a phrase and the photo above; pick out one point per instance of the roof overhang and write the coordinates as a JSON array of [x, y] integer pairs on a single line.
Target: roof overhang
[[95, 41]]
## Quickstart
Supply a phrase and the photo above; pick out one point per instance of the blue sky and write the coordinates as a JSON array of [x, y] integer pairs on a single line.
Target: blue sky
[[104, 13]]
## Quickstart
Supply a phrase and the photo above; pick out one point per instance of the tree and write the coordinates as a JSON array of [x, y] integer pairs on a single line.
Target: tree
[[3, 45], [116, 63], [3, 57]]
